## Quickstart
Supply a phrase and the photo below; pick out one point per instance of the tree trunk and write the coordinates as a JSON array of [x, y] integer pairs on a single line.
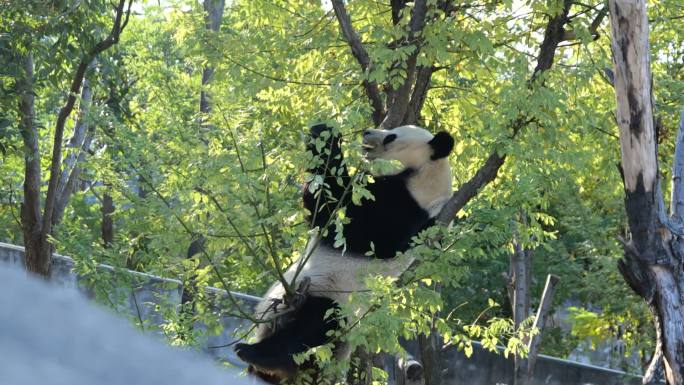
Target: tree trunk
[[431, 357], [653, 255], [107, 221], [404, 104], [35, 258], [520, 283], [361, 370], [212, 21]]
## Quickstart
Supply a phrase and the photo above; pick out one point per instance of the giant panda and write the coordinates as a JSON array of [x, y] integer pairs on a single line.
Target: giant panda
[[405, 203]]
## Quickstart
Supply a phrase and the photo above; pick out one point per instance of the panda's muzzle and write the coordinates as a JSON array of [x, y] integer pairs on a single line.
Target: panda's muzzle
[[374, 139], [370, 141]]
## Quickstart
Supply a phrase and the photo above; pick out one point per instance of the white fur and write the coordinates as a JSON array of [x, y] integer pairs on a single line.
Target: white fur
[[333, 275]]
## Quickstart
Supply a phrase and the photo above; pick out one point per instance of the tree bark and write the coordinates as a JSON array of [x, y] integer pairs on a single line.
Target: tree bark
[[79, 142], [361, 370], [361, 55], [431, 357], [30, 209], [107, 226], [520, 301], [212, 20], [397, 110], [652, 261]]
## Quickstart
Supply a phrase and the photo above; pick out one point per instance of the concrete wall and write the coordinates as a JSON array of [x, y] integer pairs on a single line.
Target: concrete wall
[[149, 294], [486, 368], [483, 368], [51, 335]]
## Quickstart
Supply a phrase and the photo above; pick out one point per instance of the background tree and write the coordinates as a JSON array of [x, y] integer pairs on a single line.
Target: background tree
[[653, 251], [38, 218]]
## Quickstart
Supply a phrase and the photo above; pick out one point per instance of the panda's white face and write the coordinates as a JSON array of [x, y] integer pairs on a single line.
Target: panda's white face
[[409, 145]]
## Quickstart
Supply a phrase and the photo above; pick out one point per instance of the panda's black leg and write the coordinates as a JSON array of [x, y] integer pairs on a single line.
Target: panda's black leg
[[321, 203], [307, 329]]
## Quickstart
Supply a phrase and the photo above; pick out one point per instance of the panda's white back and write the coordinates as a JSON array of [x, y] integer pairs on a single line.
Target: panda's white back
[[334, 274]]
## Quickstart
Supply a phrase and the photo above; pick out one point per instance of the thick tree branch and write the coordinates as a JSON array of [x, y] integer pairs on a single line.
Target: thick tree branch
[[79, 143], [361, 55], [419, 94], [487, 173], [397, 6], [593, 27], [539, 322], [214, 10], [468, 190], [552, 37], [656, 364], [63, 199]]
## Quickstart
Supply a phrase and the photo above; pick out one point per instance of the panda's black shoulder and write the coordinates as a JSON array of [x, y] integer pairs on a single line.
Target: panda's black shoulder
[[389, 220], [393, 189]]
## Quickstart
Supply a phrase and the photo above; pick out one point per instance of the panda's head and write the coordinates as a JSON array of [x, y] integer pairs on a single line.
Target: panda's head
[[421, 153], [413, 146]]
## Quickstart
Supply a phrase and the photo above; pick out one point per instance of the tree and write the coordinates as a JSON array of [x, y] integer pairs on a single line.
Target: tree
[[404, 99], [651, 265], [38, 220]]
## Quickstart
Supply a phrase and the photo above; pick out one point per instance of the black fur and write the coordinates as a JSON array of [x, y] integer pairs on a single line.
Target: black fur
[[309, 329], [442, 144], [388, 222], [389, 139], [329, 158]]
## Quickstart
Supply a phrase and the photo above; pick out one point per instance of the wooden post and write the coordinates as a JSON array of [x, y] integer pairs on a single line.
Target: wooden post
[[540, 321]]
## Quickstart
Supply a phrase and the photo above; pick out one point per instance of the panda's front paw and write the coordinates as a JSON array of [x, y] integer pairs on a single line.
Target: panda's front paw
[[246, 352], [318, 129]]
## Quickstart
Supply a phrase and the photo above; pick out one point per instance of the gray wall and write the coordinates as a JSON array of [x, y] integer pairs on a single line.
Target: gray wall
[[50, 335], [148, 295], [483, 368]]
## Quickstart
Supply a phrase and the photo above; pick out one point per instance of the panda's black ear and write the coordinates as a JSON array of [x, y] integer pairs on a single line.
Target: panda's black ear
[[441, 144]]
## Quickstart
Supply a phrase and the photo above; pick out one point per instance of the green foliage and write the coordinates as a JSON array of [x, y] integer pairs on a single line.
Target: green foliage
[[234, 175]]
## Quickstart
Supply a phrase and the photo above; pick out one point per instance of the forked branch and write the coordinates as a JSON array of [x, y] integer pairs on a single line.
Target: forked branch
[[361, 55], [400, 100]]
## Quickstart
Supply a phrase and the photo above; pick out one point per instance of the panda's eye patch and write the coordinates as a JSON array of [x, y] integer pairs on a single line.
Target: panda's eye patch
[[389, 139]]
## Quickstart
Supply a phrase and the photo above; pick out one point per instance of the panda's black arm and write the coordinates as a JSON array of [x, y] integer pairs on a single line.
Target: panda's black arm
[[321, 202]]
